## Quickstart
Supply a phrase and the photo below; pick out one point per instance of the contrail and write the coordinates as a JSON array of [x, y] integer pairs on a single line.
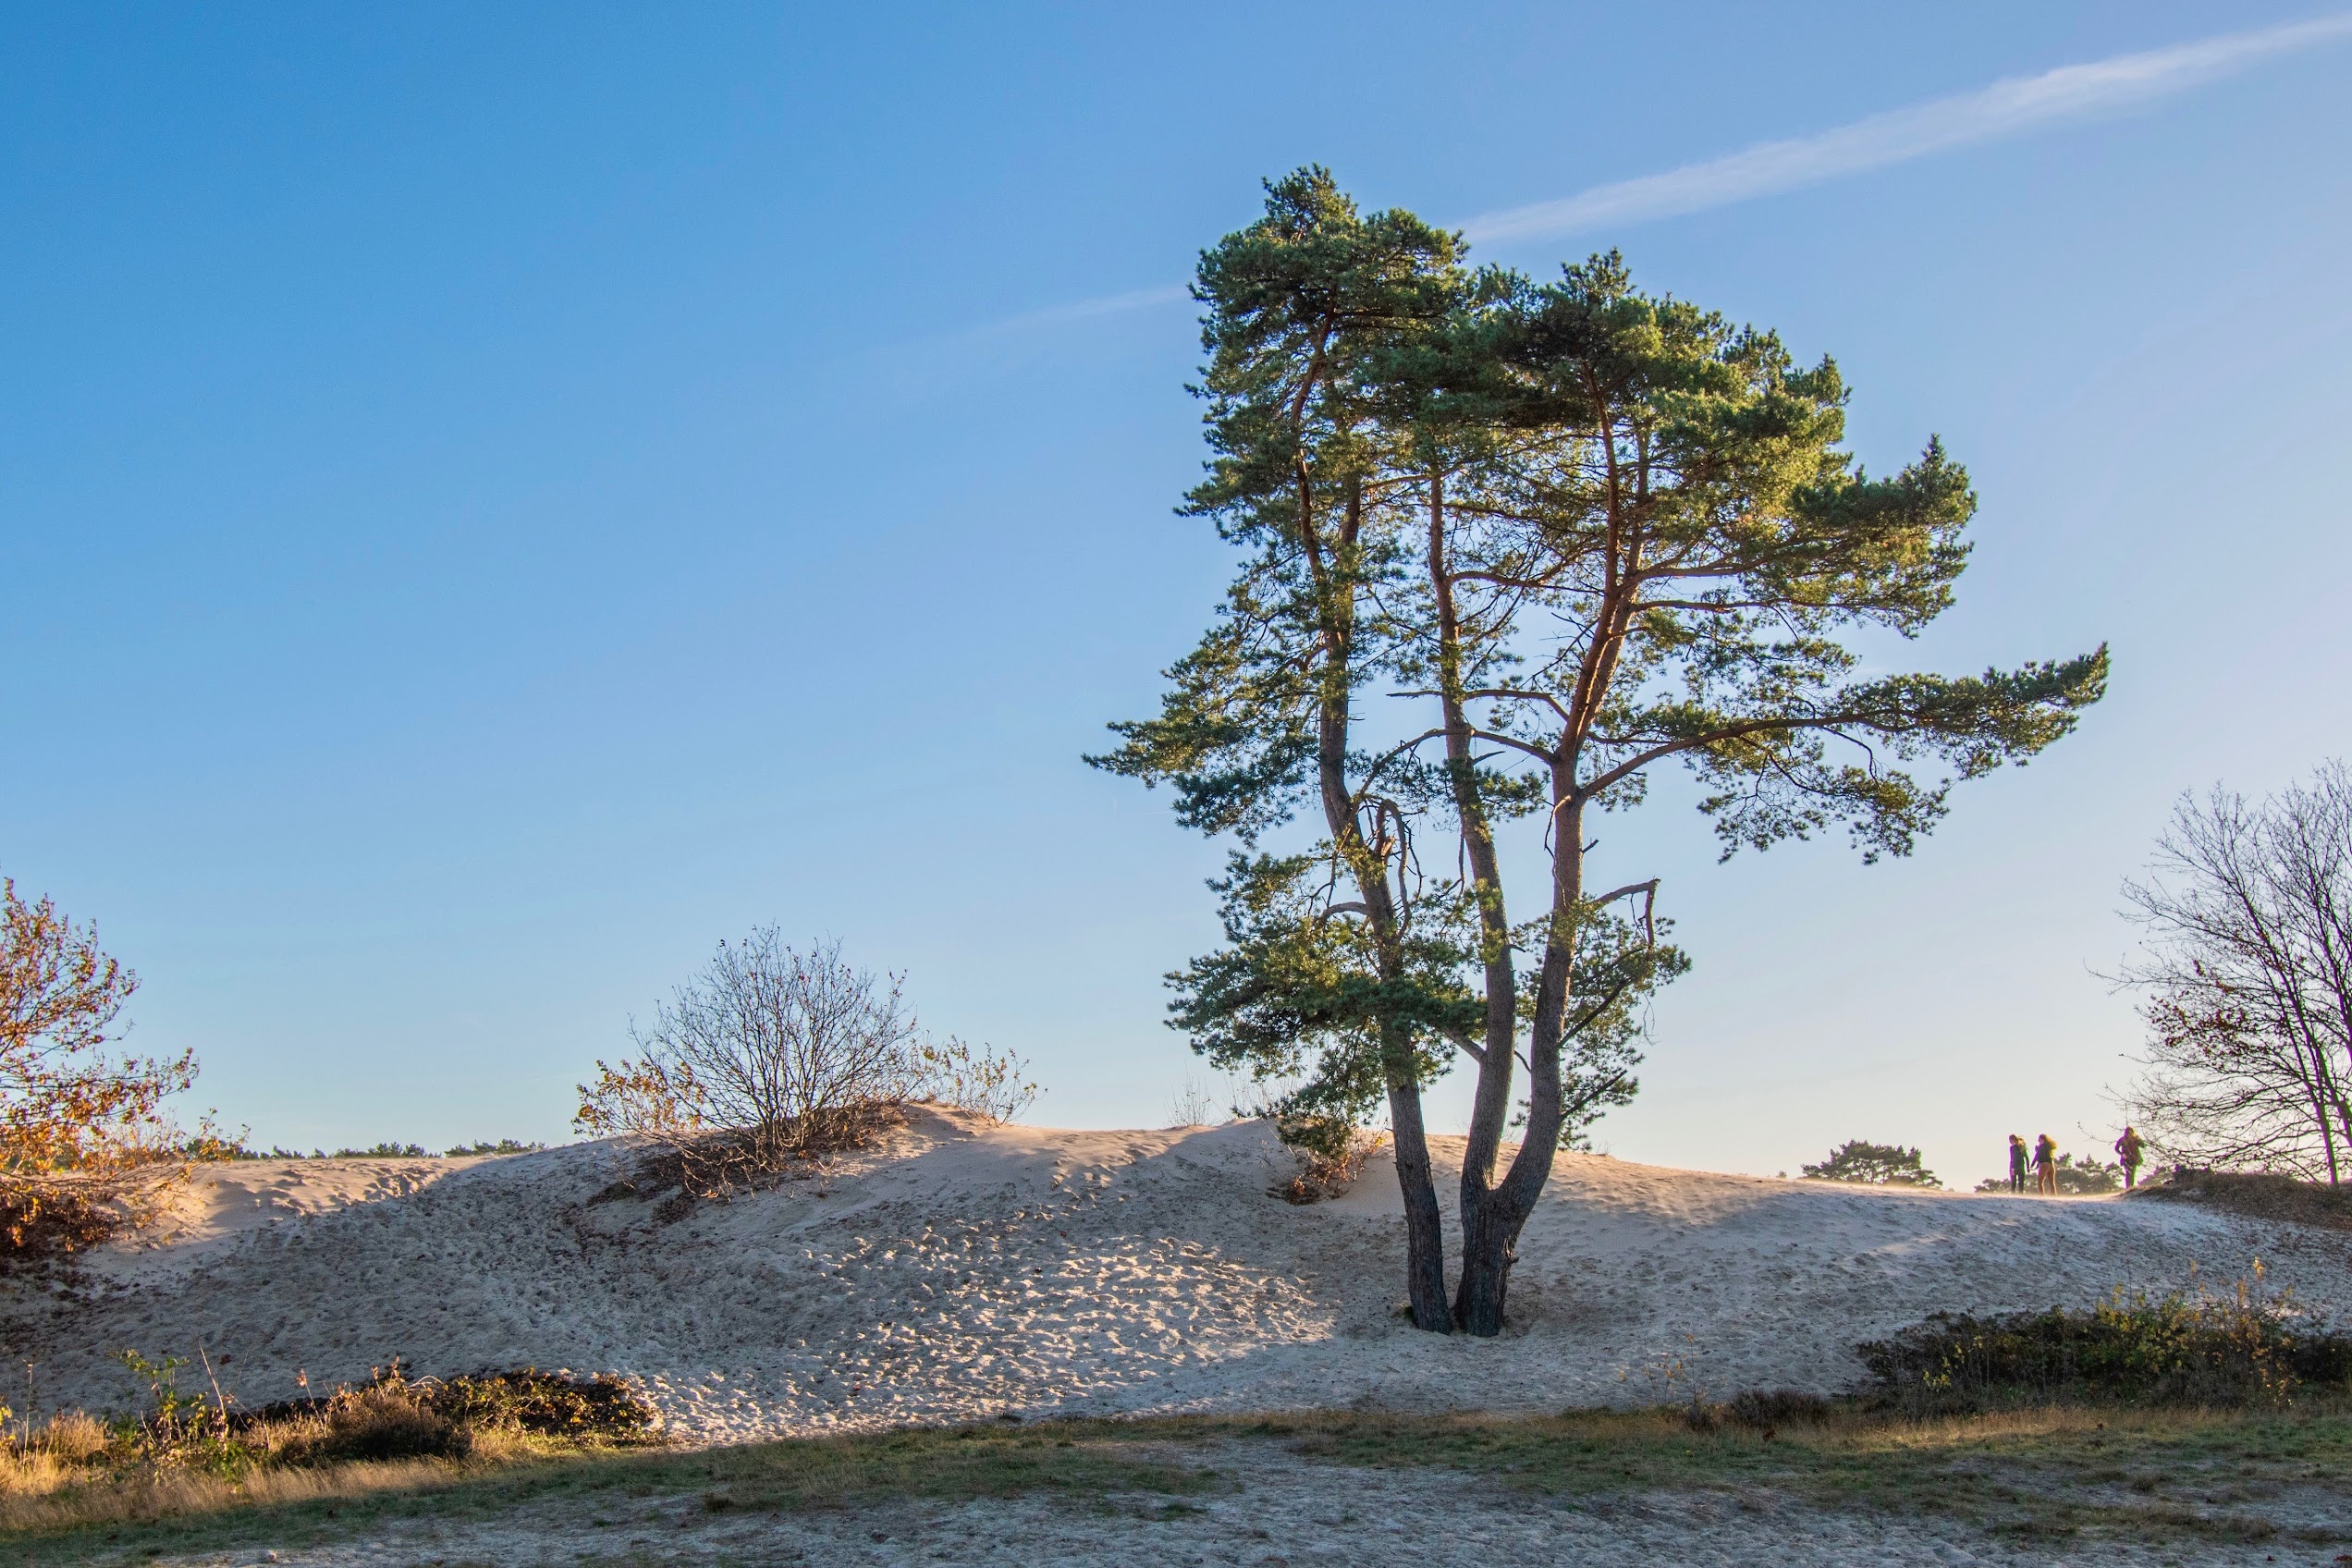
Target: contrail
[[2005, 108], [1081, 309]]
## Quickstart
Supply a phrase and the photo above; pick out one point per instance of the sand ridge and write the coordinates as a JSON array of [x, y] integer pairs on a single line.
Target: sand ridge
[[959, 1272]]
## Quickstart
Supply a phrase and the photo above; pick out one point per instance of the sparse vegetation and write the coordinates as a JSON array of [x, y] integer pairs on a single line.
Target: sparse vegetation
[[216, 1148], [2243, 1348], [1332, 1155], [2096, 1471], [2246, 981], [2264, 1194], [1877, 1165], [85, 1145], [504, 1145], [191, 1451], [974, 1079], [771, 1057]]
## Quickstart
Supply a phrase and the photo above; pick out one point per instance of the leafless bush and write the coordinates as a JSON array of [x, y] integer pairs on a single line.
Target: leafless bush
[[1191, 1105], [2248, 981], [974, 1079], [771, 1056]]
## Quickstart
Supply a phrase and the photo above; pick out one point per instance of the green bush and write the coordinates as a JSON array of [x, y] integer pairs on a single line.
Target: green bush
[[2174, 1350], [548, 1403]]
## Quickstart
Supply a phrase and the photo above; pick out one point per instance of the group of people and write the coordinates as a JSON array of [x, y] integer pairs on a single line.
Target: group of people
[[2043, 1157]]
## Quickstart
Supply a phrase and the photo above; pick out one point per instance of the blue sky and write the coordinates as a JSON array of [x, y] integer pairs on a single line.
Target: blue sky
[[494, 499]]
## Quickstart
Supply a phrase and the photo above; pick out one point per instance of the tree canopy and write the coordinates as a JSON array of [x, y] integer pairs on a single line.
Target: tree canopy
[[1503, 547], [1876, 1165]]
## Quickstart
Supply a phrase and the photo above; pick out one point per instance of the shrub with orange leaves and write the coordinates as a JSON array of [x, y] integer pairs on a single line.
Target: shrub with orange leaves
[[84, 1141]]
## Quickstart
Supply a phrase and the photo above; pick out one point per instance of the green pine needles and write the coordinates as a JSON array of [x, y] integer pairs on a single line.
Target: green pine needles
[[1503, 547]]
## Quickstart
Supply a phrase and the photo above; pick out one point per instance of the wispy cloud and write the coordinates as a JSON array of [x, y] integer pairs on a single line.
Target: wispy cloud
[[2005, 108], [927, 365], [1076, 310], [2010, 107]]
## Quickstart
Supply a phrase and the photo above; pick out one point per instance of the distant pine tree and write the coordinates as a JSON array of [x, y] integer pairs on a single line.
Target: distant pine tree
[[1876, 1165]]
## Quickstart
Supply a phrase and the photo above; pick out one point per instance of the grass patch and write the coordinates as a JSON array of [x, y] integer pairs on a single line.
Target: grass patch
[[2075, 1472], [2054, 1472], [185, 1510], [189, 1457]]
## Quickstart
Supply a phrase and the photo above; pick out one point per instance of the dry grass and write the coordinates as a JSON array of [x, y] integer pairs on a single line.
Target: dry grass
[[187, 1460], [2181, 1475], [40, 1496], [1324, 1173], [2262, 1194]]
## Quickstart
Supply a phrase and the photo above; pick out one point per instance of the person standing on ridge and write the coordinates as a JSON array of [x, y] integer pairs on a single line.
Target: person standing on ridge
[[2016, 1163], [2127, 1148], [2045, 1158]]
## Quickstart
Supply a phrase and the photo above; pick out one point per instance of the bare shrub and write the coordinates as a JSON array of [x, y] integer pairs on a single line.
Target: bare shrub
[[2247, 981], [84, 1144], [1191, 1106], [978, 1080], [772, 1056]]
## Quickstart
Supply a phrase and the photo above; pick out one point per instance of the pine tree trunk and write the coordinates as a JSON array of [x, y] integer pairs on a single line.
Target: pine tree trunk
[[1487, 1256], [1489, 1246], [1424, 1231]]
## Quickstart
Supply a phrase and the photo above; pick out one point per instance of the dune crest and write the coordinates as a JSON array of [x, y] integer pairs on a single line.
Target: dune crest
[[958, 1270]]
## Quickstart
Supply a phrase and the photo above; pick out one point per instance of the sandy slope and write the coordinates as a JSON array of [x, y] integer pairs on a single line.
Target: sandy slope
[[960, 1271]]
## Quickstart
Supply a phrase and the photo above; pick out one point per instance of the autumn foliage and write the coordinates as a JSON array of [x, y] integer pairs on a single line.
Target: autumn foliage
[[83, 1136]]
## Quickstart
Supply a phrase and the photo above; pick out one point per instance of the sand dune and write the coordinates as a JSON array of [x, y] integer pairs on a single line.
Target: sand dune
[[960, 1271]]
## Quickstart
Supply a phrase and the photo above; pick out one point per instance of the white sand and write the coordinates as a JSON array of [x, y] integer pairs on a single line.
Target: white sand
[[959, 1272]]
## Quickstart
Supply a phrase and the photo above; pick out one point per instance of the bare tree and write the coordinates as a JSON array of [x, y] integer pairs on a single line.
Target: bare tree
[[2247, 980], [770, 1054]]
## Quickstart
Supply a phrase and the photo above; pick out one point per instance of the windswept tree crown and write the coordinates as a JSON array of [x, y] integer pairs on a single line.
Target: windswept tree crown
[[1503, 547]]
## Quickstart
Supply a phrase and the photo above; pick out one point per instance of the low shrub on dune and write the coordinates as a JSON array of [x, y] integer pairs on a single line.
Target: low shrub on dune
[[772, 1058], [189, 1451], [2243, 1348]]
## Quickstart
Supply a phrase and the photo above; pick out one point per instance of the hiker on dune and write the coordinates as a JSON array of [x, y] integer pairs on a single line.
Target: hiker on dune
[[2127, 1151], [2016, 1163], [2046, 1165]]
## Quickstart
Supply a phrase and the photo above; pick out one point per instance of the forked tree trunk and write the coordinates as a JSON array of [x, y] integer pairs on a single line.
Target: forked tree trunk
[[1424, 1229], [1489, 1235], [1493, 1213]]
